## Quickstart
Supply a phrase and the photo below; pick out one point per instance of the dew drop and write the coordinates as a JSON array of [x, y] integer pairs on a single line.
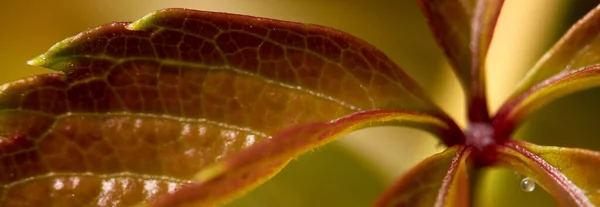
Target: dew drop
[[527, 184]]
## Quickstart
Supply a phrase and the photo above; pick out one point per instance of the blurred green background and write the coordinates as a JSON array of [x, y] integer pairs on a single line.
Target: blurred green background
[[353, 171]]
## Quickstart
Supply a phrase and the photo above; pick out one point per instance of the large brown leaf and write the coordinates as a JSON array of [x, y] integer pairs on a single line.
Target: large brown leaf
[[143, 108]]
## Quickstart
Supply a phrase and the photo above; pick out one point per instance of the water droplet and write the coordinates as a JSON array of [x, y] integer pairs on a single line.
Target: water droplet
[[527, 184]]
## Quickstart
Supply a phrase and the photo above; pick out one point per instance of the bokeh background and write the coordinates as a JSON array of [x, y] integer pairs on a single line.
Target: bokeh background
[[354, 170]]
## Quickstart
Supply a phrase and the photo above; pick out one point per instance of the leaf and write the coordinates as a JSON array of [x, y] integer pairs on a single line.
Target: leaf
[[440, 180], [514, 111], [464, 29], [215, 183], [569, 175], [576, 49], [142, 108]]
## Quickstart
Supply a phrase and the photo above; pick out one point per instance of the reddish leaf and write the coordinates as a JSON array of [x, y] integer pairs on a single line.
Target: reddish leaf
[[516, 109], [464, 30], [144, 109], [578, 47], [440, 180], [570, 175]]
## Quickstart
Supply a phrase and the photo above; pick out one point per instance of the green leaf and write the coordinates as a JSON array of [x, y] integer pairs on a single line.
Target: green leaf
[[440, 180], [569, 175], [142, 109], [516, 109], [464, 30], [576, 49]]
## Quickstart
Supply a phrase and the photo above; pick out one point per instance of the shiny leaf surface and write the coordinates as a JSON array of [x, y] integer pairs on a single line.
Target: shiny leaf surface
[[516, 109], [464, 29], [577, 48], [144, 108], [569, 175], [441, 180]]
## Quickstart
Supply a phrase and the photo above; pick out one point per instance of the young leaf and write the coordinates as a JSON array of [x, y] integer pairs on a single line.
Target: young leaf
[[464, 30], [441, 180], [143, 108], [516, 109], [569, 175], [577, 48]]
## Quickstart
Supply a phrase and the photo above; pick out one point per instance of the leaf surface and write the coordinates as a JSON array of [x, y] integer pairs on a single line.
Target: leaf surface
[[142, 109], [577, 48], [464, 29], [440, 180], [569, 175], [516, 109]]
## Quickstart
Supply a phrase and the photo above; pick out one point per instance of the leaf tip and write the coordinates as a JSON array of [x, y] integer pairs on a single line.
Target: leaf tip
[[40, 60], [144, 22], [51, 59]]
